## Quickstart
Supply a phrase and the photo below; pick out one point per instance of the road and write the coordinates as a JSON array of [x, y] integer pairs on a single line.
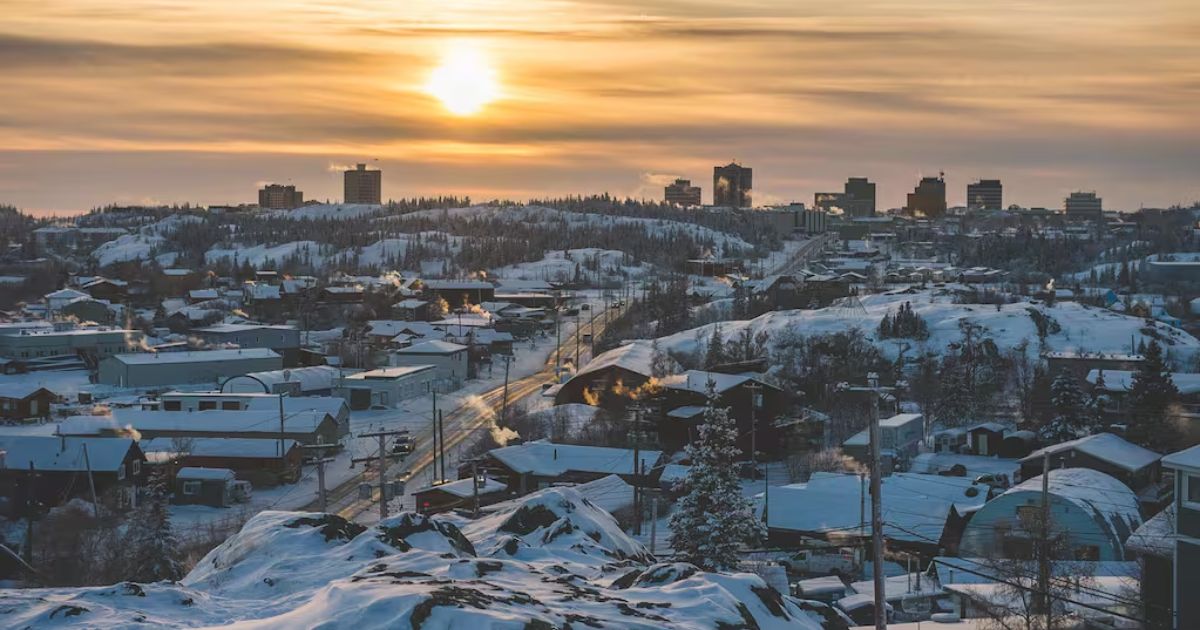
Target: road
[[460, 424]]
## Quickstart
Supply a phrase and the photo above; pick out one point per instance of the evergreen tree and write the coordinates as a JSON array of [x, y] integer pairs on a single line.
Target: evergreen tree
[[715, 354], [1151, 422], [1070, 418], [660, 362], [1098, 405], [713, 517], [153, 550]]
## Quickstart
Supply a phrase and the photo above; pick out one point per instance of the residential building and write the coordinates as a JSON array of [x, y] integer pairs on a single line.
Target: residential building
[[532, 466], [985, 194], [280, 197], [256, 460], [629, 365], [460, 292], [1091, 513], [203, 486], [1135, 466], [928, 199], [362, 185], [858, 200], [463, 493], [753, 404], [1083, 206], [1186, 466], [47, 470], [899, 439], [22, 401], [682, 193], [150, 369], [732, 185]]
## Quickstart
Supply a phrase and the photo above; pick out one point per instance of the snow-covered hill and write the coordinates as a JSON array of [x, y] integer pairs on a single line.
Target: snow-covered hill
[[1071, 327], [552, 560]]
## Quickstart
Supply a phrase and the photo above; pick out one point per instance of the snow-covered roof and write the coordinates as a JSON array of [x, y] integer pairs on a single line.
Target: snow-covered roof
[[66, 294], [899, 420], [204, 294], [457, 285], [209, 421], [686, 412], [673, 473], [610, 493], [1156, 536], [219, 447], [1187, 458], [635, 357], [1188, 383], [975, 465], [236, 328], [19, 390], [465, 488], [915, 507], [54, 453], [410, 303], [1094, 492], [313, 378], [390, 372], [546, 459], [1110, 448], [697, 381], [194, 356], [208, 474], [433, 347]]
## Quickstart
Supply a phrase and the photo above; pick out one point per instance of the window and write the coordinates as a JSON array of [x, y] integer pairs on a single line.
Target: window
[[121, 472], [1191, 490], [230, 405], [205, 405], [191, 487], [135, 467], [172, 405]]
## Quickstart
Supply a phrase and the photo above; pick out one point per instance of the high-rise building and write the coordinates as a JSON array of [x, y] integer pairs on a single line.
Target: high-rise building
[[829, 202], [280, 197], [732, 184], [682, 193], [363, 186], [985, 194], [859, 197], [928, 199], [1084, 205]]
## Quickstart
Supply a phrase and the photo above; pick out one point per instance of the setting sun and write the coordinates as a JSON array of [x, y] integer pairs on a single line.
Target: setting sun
[[464, 82]]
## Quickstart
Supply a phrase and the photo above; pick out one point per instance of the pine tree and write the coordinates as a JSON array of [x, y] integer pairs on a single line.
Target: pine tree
[[660, 362], [153, 550], [1070, 418], [715, 354], [713, 517], [1151, 396]]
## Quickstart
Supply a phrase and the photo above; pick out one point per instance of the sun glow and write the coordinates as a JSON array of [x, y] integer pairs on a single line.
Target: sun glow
[[464, 82]]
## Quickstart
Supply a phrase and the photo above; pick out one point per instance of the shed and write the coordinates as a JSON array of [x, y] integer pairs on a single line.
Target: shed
[[21, 401], [204, 486], [461, 493]]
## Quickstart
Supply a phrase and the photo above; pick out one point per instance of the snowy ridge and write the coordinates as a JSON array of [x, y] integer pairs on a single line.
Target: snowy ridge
[[549, 561]]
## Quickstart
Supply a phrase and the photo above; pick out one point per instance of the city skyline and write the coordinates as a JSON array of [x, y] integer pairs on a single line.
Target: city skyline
[[483, 100]]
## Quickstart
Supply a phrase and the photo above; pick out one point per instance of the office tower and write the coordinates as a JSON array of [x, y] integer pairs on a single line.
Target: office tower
[[280, 197], [682, 193], [732, 184], [985, 194], [1084, 205], [363, 186], [928, 199], [859, 197]]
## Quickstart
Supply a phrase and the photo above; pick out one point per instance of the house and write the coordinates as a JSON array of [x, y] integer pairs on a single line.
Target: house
[[48, 469], [752, 403], [532, 466], [22, 401], [203, 486], [899, 440], [391, 385], [986, 438], [106, 289], [284, 340], [56, 300], [203, 295], [1116, 385], [90, 310], [150, 369], [1091, 513], [341, 295], [920, 512], [628, 365], [1079, 364], [952, 440], [411, 309], [461, 493], [449, 359], [1186, 466], [316, 380], [1135, 466], [335, 407], [257, 460], [777, 292]]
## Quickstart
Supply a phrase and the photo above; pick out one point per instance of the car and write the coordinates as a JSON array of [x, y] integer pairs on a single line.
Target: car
[[571, 312], [403, 445], [585, 307]]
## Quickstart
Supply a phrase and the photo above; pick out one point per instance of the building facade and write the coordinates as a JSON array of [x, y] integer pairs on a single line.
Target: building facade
[[985, 194], [928, 199], [732, 185], [280, 197], [682, 193], [858, 200], [1083, 205], [362, 185], [149, 369]]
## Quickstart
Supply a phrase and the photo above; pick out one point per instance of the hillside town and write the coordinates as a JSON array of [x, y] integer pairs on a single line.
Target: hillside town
[[578, 410]]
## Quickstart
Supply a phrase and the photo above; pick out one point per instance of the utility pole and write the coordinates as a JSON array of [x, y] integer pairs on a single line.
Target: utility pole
[[320, 450], [435, 433], [281, 453], [442, 433], [637, 510], [87, 462], [755, 401], [653, 521], [507, 358], [1043, 592], [557, 341], [30, 504], [382, 458], [475, 486], [876, 508]]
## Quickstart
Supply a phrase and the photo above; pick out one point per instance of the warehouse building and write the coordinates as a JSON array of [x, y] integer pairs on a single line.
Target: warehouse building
[[449, 359], [388, 386], [306, 427], [284, 340], [33, 343], [175, 368]]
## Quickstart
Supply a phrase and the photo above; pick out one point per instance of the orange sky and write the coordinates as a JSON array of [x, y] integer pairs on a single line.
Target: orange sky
[[174, 101]]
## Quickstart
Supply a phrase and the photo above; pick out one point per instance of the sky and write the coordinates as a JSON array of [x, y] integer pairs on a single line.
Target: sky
[[173, 101]]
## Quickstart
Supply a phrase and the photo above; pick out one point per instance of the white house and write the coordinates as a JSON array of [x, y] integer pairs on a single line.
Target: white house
[[391, 385], [450, 360]]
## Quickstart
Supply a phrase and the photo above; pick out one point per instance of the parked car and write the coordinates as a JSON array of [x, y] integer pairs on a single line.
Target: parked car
[[838, 561]]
